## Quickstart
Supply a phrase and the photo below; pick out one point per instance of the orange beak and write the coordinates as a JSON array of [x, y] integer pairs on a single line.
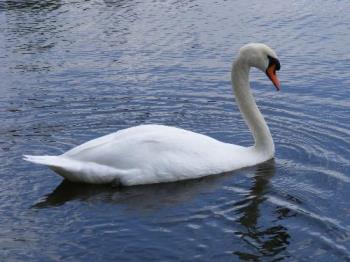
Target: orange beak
[[271, 73]]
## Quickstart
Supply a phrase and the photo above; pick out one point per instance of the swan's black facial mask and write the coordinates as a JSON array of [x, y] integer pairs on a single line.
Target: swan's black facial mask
[[274, 65]]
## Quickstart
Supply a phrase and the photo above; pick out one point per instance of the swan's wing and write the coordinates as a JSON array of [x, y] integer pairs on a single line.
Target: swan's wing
[[159, 153], [146, 142]]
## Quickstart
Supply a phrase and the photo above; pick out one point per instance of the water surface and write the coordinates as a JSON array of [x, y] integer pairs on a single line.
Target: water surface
[[75, 70]]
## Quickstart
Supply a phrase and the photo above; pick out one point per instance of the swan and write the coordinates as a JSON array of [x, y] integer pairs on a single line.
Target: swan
[[149, 154]]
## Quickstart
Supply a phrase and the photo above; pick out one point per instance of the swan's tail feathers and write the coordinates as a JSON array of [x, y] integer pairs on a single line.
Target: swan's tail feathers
[[43, 160], [78, 171]]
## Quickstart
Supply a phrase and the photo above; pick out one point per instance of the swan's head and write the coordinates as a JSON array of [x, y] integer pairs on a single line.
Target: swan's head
[[262, 57]]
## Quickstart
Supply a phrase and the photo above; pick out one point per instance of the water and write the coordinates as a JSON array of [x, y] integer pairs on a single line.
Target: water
[[75, 70]]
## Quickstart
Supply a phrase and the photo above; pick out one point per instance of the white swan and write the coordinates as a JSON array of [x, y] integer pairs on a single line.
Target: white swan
[[154, 153]]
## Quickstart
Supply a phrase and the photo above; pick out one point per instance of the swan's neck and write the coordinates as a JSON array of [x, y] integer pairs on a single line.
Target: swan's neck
[[247, 106]]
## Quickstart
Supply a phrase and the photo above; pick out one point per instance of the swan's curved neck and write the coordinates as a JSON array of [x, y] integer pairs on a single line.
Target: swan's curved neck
[[247, 106]]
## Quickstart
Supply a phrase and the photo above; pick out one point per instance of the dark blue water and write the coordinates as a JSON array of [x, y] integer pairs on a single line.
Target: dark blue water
[[75, 70]]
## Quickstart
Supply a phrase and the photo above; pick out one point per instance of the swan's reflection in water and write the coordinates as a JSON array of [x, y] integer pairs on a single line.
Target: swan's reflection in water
[[262, 242], [257, 240], [141, 198]]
